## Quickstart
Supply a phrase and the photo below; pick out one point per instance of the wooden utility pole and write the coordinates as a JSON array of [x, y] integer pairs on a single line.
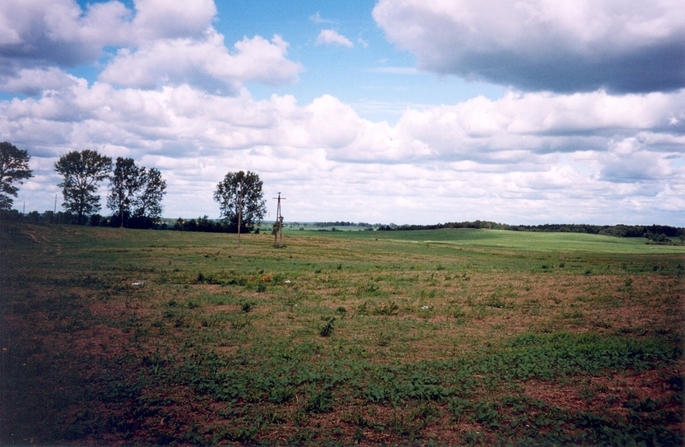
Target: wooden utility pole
[[278, 225], [240, 208]]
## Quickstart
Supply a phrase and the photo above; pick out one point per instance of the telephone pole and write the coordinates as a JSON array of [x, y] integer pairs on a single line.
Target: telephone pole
[[278, 225], [240, 208]]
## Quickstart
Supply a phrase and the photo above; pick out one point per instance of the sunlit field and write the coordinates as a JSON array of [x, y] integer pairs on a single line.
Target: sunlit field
[[446, 337]]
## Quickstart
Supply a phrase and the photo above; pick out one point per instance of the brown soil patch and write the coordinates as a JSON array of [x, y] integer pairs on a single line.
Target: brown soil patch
[[607, 394]]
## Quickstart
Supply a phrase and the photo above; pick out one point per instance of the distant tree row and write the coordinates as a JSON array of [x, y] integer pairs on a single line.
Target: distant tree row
[[135, 193], [342, 224], [67, 218], [206, 225], [656, 233], [135, 198]]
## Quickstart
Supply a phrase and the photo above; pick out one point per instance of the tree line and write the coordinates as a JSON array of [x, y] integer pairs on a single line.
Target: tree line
[[656, 233], [136, 192], [134, 196]]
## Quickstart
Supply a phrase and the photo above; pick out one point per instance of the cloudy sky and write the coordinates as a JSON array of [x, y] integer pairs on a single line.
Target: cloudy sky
[[404, 111]]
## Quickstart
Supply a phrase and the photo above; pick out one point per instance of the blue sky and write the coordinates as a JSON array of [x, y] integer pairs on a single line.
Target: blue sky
[[373, 75], [402, 111]]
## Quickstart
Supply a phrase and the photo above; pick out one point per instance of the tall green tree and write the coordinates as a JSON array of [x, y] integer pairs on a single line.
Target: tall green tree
[[82, 172], [124, 186], [14, 168], [240, 197], [148, 208], [136, 194]]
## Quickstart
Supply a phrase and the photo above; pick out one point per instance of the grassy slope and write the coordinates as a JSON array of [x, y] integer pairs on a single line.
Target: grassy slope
[[518, 240], [484, 337]]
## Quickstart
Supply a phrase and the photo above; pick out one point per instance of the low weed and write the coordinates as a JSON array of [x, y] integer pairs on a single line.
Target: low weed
[[388, 308], [385, 338], [327, 329], [319, 402]]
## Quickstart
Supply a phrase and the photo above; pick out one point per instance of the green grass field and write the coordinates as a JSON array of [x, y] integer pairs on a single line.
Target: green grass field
[[519, 241], [444, 337]]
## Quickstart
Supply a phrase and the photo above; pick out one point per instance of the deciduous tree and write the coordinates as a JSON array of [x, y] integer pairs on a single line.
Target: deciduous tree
[[82, 172], [136, 194], [123, 189], [240, 197], [148, 205], [14, 168]]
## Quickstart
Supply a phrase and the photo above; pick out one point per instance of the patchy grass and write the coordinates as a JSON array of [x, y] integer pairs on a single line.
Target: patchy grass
[[114, 336]]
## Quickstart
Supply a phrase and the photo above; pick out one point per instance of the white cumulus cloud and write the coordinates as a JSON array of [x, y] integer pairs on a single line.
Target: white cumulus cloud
[[159, 19], [332, 37], [206, 62], [31, 81], [158, 42], [59, 32], [581, 45], [527, 157]]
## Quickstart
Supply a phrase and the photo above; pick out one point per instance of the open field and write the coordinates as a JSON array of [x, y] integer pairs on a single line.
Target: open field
[[460, 337], [521, 241]]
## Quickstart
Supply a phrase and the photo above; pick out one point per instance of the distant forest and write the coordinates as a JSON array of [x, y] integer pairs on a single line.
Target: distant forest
[[654, 233]]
